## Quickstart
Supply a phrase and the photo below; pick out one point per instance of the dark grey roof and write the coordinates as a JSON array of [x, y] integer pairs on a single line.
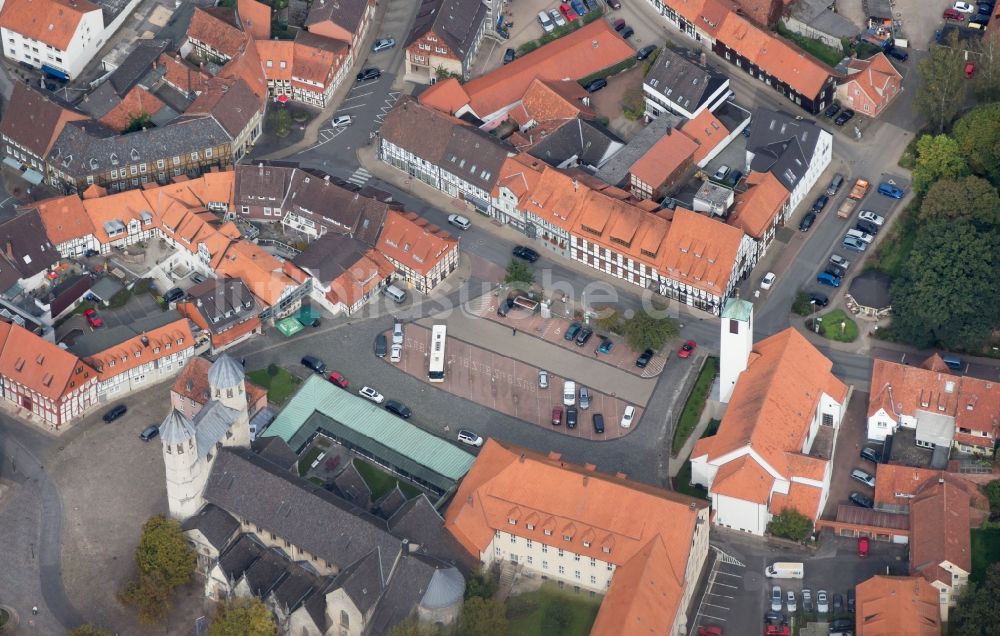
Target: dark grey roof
[[257, 491], [782, 144], [681, 76], [106, 288], [446, 588], [299, 585], [86, 148], [136, 65], [390, 502], [276, 451], [474, 156], [352, 487], [261, 185], [408, 586], [819, 16], [871, 289], [347, 14], [232, 102], [217, 525], [24, 242], [98, 102], [262, 419], [615, 170], [223, 302], [33, 119], [330, 256], [591, 143], [266, 572], [91, 343], [340, 210], [240, 556], [457, 22], [421, 525], [364, 581], [211, 424]]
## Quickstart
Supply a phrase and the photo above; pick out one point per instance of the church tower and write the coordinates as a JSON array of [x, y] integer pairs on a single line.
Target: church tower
[[186, 472], [736, 343], [226, 383]]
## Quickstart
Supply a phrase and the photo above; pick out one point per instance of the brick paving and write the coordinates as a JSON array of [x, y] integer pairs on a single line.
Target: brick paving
[[509, 386]]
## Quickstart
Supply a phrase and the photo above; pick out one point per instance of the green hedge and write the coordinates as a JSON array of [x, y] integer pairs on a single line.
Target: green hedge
[[610, 71], [695, 403]]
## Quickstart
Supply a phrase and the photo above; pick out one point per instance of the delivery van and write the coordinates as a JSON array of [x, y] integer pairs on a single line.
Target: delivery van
[[782, 570]]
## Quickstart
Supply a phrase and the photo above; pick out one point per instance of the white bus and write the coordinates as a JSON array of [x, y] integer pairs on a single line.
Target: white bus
[[435, 371]]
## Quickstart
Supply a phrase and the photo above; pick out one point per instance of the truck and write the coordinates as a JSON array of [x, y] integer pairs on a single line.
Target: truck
[[784, 570], [858, 192]]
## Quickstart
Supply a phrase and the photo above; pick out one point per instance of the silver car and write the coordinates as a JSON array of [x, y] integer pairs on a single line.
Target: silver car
[[557, 17], [871, 217], [584, 397], [543, 379], [397, 333], [383, 44], [776, 598], [840, 261], [822, 602], [790, 602], [864, 477]]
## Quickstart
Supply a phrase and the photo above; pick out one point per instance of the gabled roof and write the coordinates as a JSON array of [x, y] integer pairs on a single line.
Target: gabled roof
[[707, 130], [409, 239], [34, 121], [231, 102], [745, 479], [773, 404], [683, 78], [782, 144], [64, 218], [889, 605], [457, 22], [876, 77], [666, 156], [446, 96], [939, 522], [545, 100], [214, 30], [40, 365], [755, 208], [315, 58], [261, 184], [217, 525], [520, 175], [700, 251], [52, 22], [183, 75], [125, 347], [255, 17], [222, 303], [558, 141], [136, 103], [23, 242], [347, 14]]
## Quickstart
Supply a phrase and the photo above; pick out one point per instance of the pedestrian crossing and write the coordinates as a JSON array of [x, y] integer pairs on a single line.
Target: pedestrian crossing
[[360, 177]]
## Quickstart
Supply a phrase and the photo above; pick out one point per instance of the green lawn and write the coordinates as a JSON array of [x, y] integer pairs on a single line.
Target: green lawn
[[381, 482], [837, 325], [816, 48], [985, 551], [305, 462], [895, 249], [526, 613], [695, 402], [280, 387]]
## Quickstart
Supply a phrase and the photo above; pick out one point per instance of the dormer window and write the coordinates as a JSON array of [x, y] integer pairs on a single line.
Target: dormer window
[[531, 526], [586, 544], [512, 521], [548, 532], [606, 549], [567, 537]]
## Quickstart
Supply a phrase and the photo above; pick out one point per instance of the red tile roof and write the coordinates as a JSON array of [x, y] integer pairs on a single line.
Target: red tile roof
[[40, 365], [707, 131], [754, 210], [255, 18], [137, 102], [745, 479], [409, 239], [897, 605], [209, 28], [939, 522], [664, 158], [877, 80], [360, 279], [64, 218], [801, 497], [142, 349], [701, 252], [52, 22], [446, 96], [183, 75]]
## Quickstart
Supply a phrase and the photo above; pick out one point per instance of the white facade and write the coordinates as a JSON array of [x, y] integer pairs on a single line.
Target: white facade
[[736, 343], [549, 560], [87, 40], [882, 424], [657, 102]]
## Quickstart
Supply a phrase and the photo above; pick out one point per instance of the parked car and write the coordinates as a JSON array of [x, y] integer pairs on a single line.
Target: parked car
[[584, 397], [807, 601], [557, 17], [196, 278], [954, 16], [838, 604], [644, 358], [854, 244], [840, 261], [546, 21], [383, 44], [899, 54], [381, 345], [851, 598], [596, 85], [845, 116], [149, 432], [861, 500], [569, 392], [865, 478], [776, 598], [459, 221], [721, 173], [93, 319], [338, 379], [835, 270], [369, 74], [734, 177], [861, 236], [628, 32], [687, 349], [964, 7], [790, 602], [645, 52], [822, 602], [396, 354], [826, 279], [509, 56], [614, 4], [572, 330], [840, 625], [571, 415], [398, 408], [504, 307], [619, 24], [470, 438], [91, 253], [314, 363], [709, 630], [397, 333], [543, 379], [866, 227], [371, 394], [583, 336], [818, 299], [890, 190], [606, 345], [556, 415], [871, 217], [525, 253], [863, 543], [767, 281], [114, 413], [871, 454], [628, 416], [807, 221], [820, 203], [598, 420], [832, 110], [568, 11], [173, 294]]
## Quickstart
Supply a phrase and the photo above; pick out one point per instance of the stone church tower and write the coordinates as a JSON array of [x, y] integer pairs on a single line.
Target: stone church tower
[[190, 446], [735, 344]]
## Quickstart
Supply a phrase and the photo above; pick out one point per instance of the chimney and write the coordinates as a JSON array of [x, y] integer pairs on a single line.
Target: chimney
[[621, 475], [144, 340], [521, 458], [586, 478], [327, 178], [554, 456], [576, 185]]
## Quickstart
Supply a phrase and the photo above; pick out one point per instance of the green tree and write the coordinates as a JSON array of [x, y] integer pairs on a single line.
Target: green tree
[[281, 121], [481, 617], [643, 331], [556, 618], [138, 122], [518, 273], [938, 157], [412, 627], [978, 136], [242, 617], [790, 524], [801, 304], [609, 320], [88, 630], [150, 595], [992, 491], [482, 583], [986, 80], [163, 550], [947, 292], [971, 199], [942, 85], [977, 611]]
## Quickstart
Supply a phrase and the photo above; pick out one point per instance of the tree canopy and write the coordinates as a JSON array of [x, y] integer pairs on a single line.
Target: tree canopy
[[88, 630], [977, 611], [986, 80], [942, 85], [643, 331], [977, 134], [162, 549], [412, 627], [242, 617], [938, 157], [790, 524], [481, 617], [518, 272], [971, 199]]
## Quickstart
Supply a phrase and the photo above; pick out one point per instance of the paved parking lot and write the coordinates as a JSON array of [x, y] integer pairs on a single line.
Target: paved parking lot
[[508, 385], [850, 439]]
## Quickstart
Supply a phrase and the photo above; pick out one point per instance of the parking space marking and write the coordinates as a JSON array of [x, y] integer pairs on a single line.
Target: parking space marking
[[340, 110], [347, 99]]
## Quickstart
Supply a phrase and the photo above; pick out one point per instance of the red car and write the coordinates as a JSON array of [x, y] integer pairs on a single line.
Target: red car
[[92, 318], [710, 630], [862, 546], [686, 349], [338, 379], [952, 14], [970, 68], [556, 415], [567, 12]]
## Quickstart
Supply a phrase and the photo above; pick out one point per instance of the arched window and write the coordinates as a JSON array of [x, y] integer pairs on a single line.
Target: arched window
[[229, 393], [345, 620]]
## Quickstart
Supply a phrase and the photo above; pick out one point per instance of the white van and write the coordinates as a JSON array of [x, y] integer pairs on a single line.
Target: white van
[[784, 571], [395, 293], [861, 236]]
